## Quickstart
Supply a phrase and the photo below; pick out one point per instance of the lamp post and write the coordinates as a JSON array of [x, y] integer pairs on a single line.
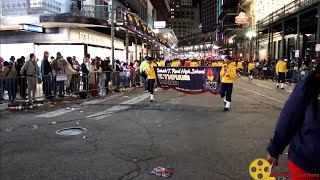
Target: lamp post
[[112, 33], [250, 35]]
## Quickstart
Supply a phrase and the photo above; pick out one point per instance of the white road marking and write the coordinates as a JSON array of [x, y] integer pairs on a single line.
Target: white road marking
[[271, 88], [60, 112], [102, 100], [123, 106], [56, 113], [256, 93]]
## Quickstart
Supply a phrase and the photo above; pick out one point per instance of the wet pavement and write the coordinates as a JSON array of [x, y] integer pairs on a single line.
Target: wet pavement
[[127, 136]]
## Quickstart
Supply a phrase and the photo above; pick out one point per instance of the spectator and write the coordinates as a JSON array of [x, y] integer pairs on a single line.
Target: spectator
[[46, 72], [58, 66], [31, 69], [102, 77], [1, 79], [22, 81], [70, 83], [93, 78], [298, 125], [76, 76], [9, 73], [12, 59], [106, 68], [85, 72]]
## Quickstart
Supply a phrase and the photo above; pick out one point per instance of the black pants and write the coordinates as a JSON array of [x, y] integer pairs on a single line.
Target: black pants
[[144, 76], [47, 86], [281, 77], [251, 72], [22, 84], [226, 91], [150, 85]]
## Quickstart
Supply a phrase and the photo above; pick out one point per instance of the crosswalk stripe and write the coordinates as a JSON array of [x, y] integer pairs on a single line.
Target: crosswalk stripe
[[123, 106], [60, 112]]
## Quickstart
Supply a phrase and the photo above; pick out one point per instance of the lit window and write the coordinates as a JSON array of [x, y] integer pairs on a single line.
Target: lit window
[[172, 16]]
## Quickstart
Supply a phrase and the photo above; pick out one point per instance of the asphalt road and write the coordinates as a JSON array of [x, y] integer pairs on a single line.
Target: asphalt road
[[128, 136]]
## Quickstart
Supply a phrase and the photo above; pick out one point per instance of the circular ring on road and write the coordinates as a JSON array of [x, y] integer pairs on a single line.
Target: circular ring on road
[[72, 131]]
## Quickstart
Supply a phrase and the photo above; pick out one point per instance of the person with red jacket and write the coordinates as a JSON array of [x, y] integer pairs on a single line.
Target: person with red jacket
[[187, 63]]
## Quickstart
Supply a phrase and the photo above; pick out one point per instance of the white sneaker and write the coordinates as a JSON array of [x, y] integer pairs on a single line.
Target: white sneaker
[[156, 90]]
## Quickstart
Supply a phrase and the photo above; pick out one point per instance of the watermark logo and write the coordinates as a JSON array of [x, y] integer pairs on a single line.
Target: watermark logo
[[260, 169]]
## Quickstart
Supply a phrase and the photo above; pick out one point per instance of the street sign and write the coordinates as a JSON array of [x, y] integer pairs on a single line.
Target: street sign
[[32, 28], [318, 47], [160, 24], [242, 19], [297, 54]]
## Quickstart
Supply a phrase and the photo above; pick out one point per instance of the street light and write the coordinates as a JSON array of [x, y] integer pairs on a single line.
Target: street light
[[251, 34]]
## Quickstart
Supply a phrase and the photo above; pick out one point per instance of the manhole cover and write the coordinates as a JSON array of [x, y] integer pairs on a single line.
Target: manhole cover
[[22, 128], [73, 131]]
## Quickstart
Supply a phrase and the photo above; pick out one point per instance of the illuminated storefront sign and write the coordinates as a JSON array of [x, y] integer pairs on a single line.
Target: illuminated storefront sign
[[242, 19]]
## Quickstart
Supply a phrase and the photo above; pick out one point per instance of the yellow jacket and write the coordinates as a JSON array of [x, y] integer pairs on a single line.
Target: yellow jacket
[[251, 66], [175, 64], [281, 67], [233, 63], [150, 70], [240, 65], [220, 64], [214, 64], [228, 75], [194, 64], [161, 63]]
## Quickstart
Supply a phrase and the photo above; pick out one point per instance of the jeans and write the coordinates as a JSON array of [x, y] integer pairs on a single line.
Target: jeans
[[1, 88], [102, 84], [59, 88], [47, 85], [11, 87]]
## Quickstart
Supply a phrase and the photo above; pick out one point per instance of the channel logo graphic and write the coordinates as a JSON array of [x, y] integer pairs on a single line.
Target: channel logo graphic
[[260, 169]]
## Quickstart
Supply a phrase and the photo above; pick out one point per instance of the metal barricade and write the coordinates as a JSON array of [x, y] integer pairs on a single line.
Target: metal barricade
[[79, 84]]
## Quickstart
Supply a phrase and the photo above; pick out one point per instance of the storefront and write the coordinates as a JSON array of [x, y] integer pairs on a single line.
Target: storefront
[[68, 41]]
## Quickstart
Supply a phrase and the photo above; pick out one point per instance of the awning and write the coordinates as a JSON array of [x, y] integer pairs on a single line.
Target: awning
[[168, 34]]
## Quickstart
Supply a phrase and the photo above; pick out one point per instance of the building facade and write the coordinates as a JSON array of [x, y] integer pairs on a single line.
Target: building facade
[[185, 21], [209, 15]]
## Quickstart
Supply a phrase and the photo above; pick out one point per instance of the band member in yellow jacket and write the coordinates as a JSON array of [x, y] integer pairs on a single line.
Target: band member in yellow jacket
[[281, 70], [240, 67], [228, 74], [251, 67], [161, 63], [151, 76], [175, 63], [194, 63]]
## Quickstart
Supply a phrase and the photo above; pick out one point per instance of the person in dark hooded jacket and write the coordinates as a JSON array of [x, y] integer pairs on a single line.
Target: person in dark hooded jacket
[[299, 126]]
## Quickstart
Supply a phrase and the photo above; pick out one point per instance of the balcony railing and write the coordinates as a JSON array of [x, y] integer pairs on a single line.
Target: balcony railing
[[89, 11], [286, 11], [30, 7]]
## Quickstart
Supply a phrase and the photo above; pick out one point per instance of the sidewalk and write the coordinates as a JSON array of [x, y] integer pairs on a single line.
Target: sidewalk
[[269, 84]]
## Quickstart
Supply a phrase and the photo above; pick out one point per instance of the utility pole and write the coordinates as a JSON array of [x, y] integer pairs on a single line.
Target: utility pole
[[112, 34]]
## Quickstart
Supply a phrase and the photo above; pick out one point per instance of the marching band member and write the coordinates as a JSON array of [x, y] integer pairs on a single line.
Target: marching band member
[[251, 67], [228, 74], [151, 76]]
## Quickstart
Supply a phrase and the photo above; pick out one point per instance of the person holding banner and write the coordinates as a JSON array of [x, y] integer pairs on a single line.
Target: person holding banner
[[151, 76], [228, 74]]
